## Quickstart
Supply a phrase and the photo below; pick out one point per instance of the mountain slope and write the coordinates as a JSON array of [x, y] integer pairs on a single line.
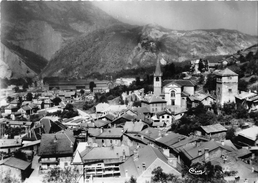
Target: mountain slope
[[44, 27], [122, 47]]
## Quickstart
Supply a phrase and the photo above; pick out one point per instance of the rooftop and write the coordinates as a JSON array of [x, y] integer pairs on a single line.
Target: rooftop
[[216, 128], [15, 163], [226, 72], [250, 133]]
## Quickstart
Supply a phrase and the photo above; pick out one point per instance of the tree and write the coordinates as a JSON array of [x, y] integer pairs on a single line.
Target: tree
[[58, 175], [159, 176], [16, 89], [229, 108], [242, 85], [92, 85], [131, 180], [29, 96], [231, 134], [210, 84], [7, 177], [56, 101], [82, 91]]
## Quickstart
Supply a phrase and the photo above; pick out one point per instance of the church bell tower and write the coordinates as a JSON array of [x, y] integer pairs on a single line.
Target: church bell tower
[[157, 83]]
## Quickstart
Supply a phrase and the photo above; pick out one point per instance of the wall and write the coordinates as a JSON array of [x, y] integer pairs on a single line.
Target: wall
[[177, 98], [223, 86], [189, 89]]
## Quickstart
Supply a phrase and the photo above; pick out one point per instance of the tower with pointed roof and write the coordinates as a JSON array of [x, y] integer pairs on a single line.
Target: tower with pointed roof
[[226, 86], [157, 81]]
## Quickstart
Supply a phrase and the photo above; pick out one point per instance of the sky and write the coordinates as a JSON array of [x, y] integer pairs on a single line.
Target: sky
[[181, 15]]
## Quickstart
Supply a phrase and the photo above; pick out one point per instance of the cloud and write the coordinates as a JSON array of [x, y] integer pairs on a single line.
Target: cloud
[[181, 15]]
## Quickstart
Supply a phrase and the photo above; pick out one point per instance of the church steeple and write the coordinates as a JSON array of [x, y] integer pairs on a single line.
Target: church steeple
[[158, 69], [157, 79]]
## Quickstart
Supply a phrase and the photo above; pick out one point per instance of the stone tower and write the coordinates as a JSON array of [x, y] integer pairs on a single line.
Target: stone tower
[[226, 86], [157, 83]]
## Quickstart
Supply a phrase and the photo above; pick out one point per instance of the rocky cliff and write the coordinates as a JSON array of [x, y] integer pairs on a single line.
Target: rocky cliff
[[122, 47]]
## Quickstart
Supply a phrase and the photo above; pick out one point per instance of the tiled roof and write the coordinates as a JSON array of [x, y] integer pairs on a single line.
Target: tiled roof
[[15, 163], [104, 153], [152, 133], [146, 155], [133, 126], [101, 123], [250, 133], [111, 133], [5, 143], [226, 72], [57, 144], [180, 82], [243, 152], [199, 96], [216, 128], [171, 138], [192, 153], [154, 99], [185, 141]]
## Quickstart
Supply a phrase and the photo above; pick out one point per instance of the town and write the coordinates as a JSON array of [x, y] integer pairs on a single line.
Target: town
[[96, 131]]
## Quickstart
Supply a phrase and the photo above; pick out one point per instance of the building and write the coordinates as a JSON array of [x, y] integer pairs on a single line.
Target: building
[[248, 136], [226, 86], [56, 150], [144, 161], [17, 168], [157, 81], [101, 161], [176, 91], [154, 104], [110, 137], [216, 131]]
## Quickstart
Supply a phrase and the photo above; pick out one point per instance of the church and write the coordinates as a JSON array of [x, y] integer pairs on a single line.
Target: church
[[175, 91]]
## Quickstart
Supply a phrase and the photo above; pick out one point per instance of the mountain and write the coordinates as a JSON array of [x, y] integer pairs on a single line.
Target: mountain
[[77, 39], [42, 28], [123, 47]]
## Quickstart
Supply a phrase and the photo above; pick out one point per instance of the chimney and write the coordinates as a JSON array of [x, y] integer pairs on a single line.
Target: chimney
[[166, 152], [222, 142], [172, 161], [206, 154], [124, 156], [135, 155], [101, 130], [199, 152]]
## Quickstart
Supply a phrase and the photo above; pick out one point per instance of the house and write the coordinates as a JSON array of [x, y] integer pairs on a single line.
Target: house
[[144, 161], [247, 99], [134, 127], [206, 151], [167, 140], [248, 136], [216, 131], [154, 103], [226, 86], [110, 137], [197, 98], [166, 117], [56, 149], [17, 168], [188, 142], [51, 127], [10, 145], [10, 109], [100, 161], [122, 119]]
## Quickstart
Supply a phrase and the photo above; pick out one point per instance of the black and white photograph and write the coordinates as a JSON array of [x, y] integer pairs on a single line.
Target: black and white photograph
[[129, 91]]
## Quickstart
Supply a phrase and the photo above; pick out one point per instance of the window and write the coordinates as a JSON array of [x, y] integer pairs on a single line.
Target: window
[[65, 164], [230, 90], [157, 78], [173, 94], [143, 166], [168, 116], [229, 77], [172, 102]]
